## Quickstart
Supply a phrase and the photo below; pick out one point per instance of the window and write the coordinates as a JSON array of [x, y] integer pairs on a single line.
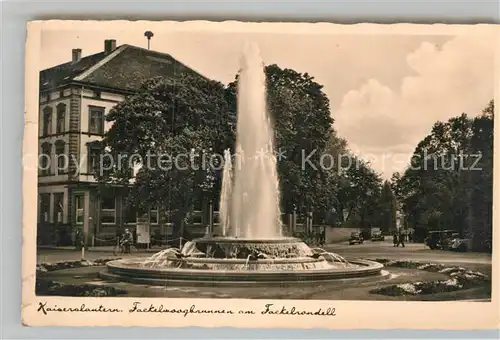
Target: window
[[96, 120], [62, 161], [130, 215], [58, 207], [108, 205], [61, 121], [94, 154], [44, 208], [216, 217], [196, 217], [47, 121], [79, 215], [154, 215], [45, 159], [167, 217]]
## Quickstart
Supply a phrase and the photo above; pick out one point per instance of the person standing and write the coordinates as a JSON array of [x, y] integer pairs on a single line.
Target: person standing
[[401, 239], [78, 239], [395, 239], [127, 241]]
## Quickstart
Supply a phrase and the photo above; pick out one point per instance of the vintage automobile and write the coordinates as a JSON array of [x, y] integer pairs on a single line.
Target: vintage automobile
[[438, 239], [460, 244], [447, 239], [378, 236], [356, 237]]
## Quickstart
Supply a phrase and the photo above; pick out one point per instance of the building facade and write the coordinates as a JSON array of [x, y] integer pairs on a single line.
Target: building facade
[[74, 99]]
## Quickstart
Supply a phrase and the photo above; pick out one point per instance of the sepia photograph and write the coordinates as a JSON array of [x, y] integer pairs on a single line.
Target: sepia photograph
[[258, 165]]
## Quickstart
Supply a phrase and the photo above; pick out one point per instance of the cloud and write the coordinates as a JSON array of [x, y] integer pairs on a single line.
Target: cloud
[[456, 78]]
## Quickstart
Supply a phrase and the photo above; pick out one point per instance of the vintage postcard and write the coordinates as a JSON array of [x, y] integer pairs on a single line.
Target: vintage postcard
[[260, 175]]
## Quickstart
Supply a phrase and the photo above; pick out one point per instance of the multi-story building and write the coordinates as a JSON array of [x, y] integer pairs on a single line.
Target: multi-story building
[[74, 99]]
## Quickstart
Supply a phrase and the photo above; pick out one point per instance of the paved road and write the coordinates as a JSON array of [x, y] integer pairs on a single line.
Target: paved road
[[371, 250], [52, 256], [411, 251]]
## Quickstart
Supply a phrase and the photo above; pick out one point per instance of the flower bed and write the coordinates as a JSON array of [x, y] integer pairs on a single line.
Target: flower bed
[[47, 287], [49, 267], [460, 278]]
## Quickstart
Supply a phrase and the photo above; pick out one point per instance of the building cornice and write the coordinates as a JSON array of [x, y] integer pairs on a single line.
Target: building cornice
[[80, 84]]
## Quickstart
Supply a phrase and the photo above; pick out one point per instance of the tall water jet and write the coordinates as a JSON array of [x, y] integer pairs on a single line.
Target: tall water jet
[[225, 196], [255, 200]]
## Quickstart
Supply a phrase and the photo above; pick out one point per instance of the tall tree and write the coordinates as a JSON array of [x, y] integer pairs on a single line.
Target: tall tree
[[448, 184], [359, 193], [388, 208], [482, 177], [171, 131]]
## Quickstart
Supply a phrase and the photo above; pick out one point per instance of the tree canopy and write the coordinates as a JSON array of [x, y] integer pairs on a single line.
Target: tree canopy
[[448, 184], [170, 130]]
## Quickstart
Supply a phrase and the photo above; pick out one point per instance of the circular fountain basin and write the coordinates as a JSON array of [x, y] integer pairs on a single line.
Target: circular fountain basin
[[132, 271], [287, 261]]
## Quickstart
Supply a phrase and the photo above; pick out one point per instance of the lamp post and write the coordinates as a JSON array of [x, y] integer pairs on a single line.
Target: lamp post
[[148, 35]]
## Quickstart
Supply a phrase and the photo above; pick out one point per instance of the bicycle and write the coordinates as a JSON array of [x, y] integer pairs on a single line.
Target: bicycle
[[120, 249]]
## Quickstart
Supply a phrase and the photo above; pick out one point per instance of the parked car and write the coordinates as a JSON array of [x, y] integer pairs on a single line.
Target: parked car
[[378, 236], [448, 240], [356, 237], [438, 239], [460, 244]]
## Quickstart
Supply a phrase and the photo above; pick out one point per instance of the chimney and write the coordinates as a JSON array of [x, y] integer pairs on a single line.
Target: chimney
[[76, 54], [109, 45]]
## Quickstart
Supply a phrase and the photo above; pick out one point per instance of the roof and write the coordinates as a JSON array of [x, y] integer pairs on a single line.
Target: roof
[[65, 73], [126, 68]]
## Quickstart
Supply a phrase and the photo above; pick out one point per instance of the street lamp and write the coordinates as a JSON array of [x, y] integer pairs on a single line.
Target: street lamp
[[148, 35]]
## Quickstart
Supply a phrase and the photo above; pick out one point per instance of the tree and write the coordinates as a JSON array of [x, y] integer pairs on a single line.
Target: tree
[[388, 208], [171, 130], [358, 192], [334, 156], [448, 184], [482, 178]]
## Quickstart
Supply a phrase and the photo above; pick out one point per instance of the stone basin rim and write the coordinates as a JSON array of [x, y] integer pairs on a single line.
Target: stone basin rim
[[306, 280], [367, 266]]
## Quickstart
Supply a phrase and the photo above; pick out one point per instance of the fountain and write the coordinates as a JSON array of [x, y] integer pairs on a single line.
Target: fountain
[[226, 189], [252, 249]]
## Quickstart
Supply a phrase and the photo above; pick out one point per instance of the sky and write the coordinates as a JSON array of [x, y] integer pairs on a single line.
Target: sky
[[385, 90]]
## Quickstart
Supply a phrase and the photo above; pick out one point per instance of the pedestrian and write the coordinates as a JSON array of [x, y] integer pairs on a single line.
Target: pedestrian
[[401, 240], [78, 239], [395, 239], [127, 241]]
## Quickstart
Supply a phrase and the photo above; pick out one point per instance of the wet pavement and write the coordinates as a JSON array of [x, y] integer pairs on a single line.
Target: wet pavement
[[411, 252]]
